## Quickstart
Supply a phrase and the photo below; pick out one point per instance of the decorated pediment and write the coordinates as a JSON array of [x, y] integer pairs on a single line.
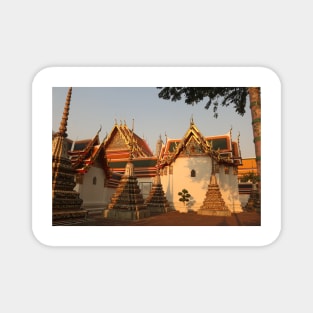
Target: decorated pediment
[[193, 147], [123, 139], [117, 142], [195, 144]]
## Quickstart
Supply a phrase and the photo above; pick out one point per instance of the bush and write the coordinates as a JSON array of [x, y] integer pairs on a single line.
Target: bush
[[184, 196]]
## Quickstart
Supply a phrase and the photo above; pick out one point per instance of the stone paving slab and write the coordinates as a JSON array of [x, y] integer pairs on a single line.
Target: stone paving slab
[[175, 218]]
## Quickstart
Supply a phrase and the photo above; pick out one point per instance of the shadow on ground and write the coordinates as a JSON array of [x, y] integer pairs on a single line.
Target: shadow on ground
[[179, 219]]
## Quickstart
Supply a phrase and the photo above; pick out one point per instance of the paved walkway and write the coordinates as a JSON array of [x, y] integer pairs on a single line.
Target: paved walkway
[[175, 218]]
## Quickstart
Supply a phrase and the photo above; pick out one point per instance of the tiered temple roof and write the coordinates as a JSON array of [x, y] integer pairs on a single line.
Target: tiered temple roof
[[114, 153], [85, 153], [193, 143], [122, 140], [119, 145]]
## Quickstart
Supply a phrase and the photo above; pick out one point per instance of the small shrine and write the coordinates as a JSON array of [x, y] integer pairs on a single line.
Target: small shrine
[[66, 202], [127, 202], [156, 201], [213, 203]]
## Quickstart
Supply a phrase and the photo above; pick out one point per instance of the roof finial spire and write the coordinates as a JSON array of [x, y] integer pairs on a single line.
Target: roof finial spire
[[131, 155], [239, 150], [63, 124], [191, 120]]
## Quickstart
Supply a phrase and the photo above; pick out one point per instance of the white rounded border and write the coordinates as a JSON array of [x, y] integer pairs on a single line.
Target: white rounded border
[[262, 235]]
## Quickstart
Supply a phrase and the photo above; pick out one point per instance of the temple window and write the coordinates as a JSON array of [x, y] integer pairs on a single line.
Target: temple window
[[226, 170], [94, 180], [193, 173]]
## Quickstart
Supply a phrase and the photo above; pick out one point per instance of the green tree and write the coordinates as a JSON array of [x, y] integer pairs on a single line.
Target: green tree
[[224, 96], [184, 196]]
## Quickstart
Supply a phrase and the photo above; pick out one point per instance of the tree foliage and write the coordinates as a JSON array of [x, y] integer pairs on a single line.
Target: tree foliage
[[215, 96]]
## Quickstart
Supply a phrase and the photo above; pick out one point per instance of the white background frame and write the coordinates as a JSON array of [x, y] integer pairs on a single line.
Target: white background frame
[[50, 235]]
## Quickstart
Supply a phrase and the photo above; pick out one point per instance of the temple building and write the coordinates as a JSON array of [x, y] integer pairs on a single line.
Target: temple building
[[119, 145], [100, 166], [188, 163], [92, 172], [184, 163]]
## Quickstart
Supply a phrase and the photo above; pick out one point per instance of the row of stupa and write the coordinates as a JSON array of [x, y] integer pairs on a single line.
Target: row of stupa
[[127, 202]]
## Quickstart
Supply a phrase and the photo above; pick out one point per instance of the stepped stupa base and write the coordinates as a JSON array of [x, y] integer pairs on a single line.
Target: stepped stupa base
[[57, 215], [213, 203], [127, 202], [122, 214], [212, 212], [158, 209], [156, 200]]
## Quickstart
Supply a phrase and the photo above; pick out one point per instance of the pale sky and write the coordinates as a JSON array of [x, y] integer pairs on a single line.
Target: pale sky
[[92, 108]]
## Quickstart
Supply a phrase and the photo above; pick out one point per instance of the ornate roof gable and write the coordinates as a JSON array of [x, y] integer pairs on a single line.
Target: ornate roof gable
[[122, 140], [86, 152], [193, 143]]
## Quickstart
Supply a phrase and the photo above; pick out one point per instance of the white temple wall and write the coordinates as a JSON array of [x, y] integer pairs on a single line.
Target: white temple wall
[[92, 190], [197, 186], [181, 179], [108, 193]]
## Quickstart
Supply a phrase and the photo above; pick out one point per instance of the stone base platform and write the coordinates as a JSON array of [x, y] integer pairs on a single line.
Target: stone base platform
[[214, 212], [158, 210], [57, 215], [94, 211], [125, 214]]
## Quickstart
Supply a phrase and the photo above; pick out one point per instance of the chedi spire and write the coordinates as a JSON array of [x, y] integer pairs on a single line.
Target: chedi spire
[[66, 203], [63, 124]]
